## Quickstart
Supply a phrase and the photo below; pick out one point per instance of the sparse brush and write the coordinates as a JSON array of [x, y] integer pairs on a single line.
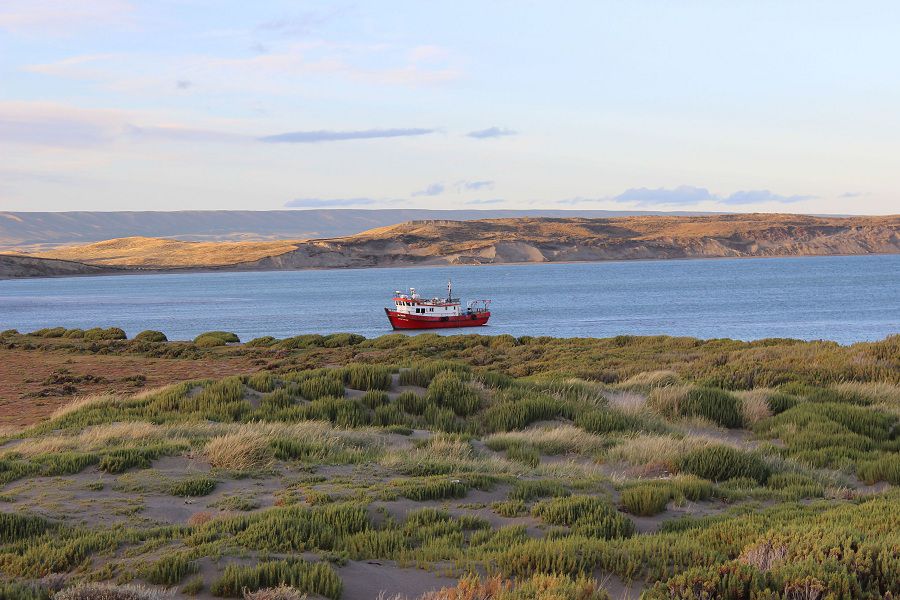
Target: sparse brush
[[169, 570], [421, 373], [243, 450], [106, 591], [754, 405], [719, 463], [448, 390], [263, 381], [193, 487], [367, 377], [648, 380], [527, 489], [282, 592], [559, 439], [646, 499], [650, 449], [317, 578]]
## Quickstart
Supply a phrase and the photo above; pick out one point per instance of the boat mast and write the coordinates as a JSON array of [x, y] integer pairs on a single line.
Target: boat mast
[[449, 290]]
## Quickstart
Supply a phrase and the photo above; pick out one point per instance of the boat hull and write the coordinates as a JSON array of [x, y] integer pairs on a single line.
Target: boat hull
[[404, 321]]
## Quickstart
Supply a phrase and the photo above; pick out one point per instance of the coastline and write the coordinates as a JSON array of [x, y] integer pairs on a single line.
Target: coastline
[[114, 271]]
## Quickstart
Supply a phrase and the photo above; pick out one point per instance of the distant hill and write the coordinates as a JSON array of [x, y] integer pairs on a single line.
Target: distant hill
[[14, 266], [32, 231], [495, 241]]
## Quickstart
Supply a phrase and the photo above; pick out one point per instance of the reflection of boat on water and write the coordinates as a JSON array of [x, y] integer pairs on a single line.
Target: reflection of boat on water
[[411, 311]]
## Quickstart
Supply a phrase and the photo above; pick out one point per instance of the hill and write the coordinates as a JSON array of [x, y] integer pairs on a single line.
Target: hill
[[13, 266], [497, 241], [34, 231]]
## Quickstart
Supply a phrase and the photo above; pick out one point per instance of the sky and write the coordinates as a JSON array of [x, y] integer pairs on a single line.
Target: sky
[[739, 106]]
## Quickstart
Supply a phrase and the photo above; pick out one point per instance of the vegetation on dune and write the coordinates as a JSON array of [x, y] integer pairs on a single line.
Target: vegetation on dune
[[519, 465], [211, 339]]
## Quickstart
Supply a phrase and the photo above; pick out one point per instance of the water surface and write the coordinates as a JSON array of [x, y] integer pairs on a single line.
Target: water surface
[[844, 298]]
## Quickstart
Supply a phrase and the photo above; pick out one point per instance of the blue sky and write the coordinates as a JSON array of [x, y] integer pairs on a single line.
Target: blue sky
[[652, 105]]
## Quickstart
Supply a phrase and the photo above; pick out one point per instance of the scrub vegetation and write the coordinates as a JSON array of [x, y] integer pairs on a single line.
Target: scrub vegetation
[[523, 468]]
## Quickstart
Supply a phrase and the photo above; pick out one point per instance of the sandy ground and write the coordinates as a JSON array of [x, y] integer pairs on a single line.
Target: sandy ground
[[32, 384]]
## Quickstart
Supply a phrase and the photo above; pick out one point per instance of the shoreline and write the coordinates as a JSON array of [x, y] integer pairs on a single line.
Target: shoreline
[[117, 271]]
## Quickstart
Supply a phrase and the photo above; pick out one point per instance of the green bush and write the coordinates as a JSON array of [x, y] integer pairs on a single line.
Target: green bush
[[49, 332], [374, 398], [448, 390], [433, 489], [262, 381], [529, 489], [523, 453], [265, 341], [211, 339], [646, 499], [341, 340], [412, 403], [884, 468], [311, 578], [193, 487], [321, 387], [421, 373], [169, 570], [151, 336], [585, 515], [719, 463], [367, 377], [110, 333], [15, 527], [719, 406]]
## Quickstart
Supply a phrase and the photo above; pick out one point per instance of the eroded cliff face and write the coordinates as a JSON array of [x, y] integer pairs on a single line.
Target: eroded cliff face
[[494, 241], [554, 240]]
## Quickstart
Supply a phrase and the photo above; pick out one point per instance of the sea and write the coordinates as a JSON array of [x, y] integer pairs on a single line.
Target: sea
[[845, 299]]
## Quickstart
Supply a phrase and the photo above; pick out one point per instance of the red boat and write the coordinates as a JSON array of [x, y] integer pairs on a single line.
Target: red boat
[[411, 311]]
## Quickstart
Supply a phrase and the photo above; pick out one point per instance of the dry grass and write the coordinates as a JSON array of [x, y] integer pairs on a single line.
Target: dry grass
[[887, 394], [648, 380], [667, 401], [628, 402], [560, 439], [649, 449], [755, 405], [282, 592], [106, 591], [246, 449], [156, 252]]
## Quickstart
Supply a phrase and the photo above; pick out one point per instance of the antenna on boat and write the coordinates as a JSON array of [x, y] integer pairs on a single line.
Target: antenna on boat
[[449, 290]]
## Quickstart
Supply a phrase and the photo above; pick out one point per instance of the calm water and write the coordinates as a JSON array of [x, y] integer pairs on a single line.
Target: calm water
[[846, 299]]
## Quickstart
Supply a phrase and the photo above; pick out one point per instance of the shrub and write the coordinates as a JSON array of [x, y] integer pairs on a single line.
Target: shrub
[[340, 340], [523, 453], [509, 508], [411, 403], [317, 578], [374, 398], [884, 468], [321, 387], [719, 463], [367, 377], [151, 335], [607, 421], [448, 390], [119, 461], [49, 332], [282, 592], [193, 487], [110, 333], [646, 499], [586, 515], [216, 338], [420, 374], [265, 341], [169, 570], [435, 489], [15, 527], [717, 405], [263, 381], [529, 489], [74, 334], [193, 586]]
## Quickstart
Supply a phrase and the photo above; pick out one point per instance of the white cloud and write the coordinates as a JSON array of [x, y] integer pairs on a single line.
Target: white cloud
[[62, 16]]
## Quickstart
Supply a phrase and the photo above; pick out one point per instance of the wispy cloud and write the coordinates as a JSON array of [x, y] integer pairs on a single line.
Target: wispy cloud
[[690, 195], [62, 16], [486, 184], [435, 189], [458, 187], [491, 132], [312, 137], [300, 24], [329, 202]]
